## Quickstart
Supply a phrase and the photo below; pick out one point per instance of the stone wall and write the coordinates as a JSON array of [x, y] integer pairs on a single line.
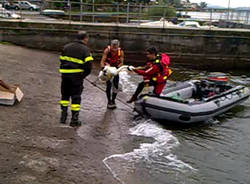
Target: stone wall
[[209, 49]]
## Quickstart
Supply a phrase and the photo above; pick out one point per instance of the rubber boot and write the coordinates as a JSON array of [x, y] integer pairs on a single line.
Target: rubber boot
[[64, 114], [74, 120], [108, 94], [113, 100], [109, 105]]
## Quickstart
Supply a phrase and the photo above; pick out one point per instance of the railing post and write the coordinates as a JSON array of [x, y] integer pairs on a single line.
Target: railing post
[[117, 10], [164, 15], [93, 10], [211, 16], [228, 10], [81, 11], [128, 13], [70, 16], [247, 17], [139, 17]]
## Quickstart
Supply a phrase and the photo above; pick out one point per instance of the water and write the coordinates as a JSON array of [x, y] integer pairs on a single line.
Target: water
[[215, 152]]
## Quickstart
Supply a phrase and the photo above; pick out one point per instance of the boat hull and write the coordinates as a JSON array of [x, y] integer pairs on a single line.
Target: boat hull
[[164, 108]]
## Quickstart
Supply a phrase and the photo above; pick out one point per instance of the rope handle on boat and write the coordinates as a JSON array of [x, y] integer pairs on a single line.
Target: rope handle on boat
[[225, 96]]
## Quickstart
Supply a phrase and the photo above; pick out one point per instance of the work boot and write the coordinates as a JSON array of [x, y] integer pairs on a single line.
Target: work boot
[[113, 104], [132, 99], [110, 105], [113, 100], [74, 120], [64, 115]]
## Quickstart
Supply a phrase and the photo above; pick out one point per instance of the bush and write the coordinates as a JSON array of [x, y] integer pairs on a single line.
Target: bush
[[161, 11]]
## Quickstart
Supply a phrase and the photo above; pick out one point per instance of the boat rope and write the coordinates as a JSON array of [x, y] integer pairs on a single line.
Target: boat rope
[[229, 96]]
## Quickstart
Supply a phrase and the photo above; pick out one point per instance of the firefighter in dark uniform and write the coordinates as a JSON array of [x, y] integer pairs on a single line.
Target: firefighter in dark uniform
[[76, 64], [113, 56]]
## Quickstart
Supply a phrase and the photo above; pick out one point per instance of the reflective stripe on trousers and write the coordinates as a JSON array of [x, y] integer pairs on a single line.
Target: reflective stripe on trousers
[[75, 107], [64, 103]]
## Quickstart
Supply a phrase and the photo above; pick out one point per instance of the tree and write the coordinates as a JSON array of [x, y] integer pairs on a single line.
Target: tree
[[160, 11], [203, 5], [170, 2]]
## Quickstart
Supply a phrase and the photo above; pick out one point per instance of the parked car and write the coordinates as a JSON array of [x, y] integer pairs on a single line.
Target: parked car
[[26, 5], [10, 5], [23, 5]]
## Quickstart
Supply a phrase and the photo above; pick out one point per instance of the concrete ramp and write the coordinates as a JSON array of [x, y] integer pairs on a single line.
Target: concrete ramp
[[9, 94]]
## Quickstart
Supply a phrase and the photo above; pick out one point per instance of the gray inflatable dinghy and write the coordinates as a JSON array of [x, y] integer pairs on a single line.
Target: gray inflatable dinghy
[[192, 101]]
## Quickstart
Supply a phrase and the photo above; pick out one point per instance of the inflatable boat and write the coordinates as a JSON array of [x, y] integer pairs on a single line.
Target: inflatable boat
[[192, 101]]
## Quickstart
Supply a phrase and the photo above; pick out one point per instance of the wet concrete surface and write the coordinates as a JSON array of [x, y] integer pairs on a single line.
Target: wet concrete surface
[[34, 147]]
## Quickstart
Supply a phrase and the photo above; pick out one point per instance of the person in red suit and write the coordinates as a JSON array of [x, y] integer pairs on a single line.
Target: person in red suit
[[155, 73]]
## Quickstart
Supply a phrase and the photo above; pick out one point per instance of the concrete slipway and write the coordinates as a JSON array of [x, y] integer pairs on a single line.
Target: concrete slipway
[[35, 148]]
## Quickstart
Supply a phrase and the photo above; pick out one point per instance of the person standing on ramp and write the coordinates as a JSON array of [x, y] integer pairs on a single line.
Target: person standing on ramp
[[76, 64], [113, 56]]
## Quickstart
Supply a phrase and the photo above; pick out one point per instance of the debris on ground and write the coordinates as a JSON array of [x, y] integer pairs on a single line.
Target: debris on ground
[[9, 94]]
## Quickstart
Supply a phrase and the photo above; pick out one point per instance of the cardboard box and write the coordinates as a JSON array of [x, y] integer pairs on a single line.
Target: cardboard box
[[9, 94]]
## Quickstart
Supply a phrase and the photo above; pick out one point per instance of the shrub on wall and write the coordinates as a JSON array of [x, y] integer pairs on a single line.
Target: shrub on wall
[[160, 11]]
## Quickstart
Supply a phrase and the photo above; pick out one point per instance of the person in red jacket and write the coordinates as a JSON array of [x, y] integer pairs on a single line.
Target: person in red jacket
[[113, 56], [155, 73]]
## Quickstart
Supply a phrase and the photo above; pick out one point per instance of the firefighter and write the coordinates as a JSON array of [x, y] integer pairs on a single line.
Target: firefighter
[[113, 56], [155, 73], [76, 64]]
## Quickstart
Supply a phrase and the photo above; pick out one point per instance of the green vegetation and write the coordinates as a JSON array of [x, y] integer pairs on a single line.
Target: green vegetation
[[147, 9], [6, 43], [161, 11], [203, 5]]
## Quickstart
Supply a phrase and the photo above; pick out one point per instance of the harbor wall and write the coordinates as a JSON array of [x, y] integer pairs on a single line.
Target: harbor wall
[[213, 49]]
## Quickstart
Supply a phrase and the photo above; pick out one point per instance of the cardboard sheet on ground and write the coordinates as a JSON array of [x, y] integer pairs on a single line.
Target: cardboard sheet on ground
[[9, 94]]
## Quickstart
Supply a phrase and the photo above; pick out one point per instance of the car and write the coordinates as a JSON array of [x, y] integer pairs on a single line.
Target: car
[[23, 5], [26, 5], [10, 5]]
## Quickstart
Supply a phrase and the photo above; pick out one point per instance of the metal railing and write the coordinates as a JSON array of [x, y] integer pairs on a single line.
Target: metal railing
[[130, 13]]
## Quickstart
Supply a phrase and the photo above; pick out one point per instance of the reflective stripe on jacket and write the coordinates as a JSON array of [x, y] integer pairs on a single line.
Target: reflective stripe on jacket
[[155, 71], [74, 57]]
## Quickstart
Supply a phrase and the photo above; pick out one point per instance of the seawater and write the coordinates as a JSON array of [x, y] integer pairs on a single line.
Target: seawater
[[215, 152]]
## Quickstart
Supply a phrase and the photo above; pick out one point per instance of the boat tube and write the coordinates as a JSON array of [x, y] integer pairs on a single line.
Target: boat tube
[[192, 101]]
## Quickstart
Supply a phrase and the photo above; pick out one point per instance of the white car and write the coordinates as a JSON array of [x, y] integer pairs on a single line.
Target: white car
[[26, 5]]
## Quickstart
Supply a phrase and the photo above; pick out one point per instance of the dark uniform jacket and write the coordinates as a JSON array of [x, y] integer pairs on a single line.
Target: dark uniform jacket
[[76, 59]]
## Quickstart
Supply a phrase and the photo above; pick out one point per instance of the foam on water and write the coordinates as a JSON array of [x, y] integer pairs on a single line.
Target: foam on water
[[150, 159]]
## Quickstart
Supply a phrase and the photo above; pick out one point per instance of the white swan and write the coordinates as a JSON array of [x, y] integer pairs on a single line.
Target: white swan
[[108, 72]]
